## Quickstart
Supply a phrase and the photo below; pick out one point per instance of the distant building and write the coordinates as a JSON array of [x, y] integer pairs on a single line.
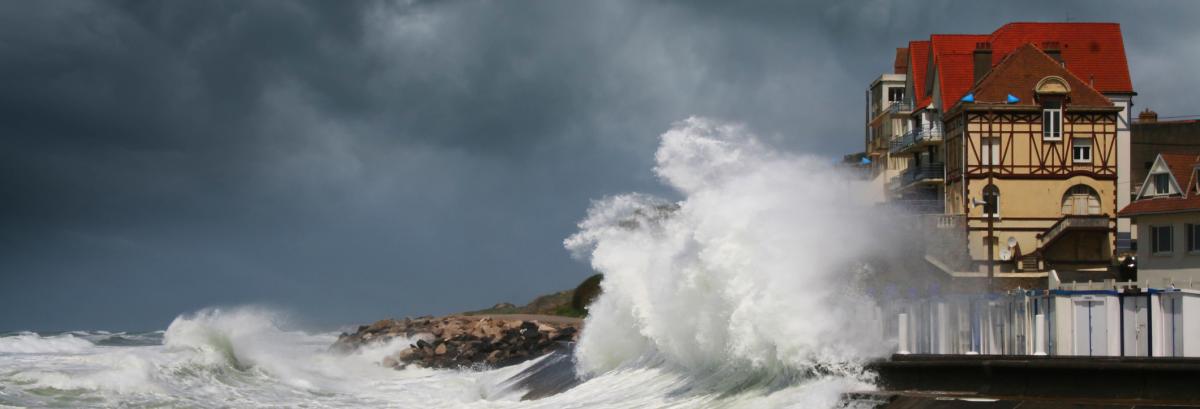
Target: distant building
[[886, 121], [1166, 211], [1152, 136], [1023, 136]]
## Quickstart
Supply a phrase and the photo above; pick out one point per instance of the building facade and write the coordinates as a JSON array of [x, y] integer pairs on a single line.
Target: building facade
[[1166, 212], [1023, 136], [886, 121], [1150, 136]]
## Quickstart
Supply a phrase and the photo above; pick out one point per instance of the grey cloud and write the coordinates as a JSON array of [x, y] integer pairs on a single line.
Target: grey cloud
[[352, 160]]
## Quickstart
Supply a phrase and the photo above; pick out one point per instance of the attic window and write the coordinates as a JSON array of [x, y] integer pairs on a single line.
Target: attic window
[[1162, 184], [1052, 120]]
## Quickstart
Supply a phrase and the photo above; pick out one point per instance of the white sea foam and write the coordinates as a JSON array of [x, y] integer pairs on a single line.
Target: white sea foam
[[31, 343]]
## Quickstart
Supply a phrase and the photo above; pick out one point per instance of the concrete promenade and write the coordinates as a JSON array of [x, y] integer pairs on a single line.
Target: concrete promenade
[[989, 381]]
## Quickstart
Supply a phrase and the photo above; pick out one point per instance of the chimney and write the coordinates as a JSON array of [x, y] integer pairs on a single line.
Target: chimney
[[983, 59], [1054, 50], [1148, 116], [901, 64]]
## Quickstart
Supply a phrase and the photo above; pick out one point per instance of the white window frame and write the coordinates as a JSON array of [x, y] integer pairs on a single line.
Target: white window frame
[[1083, 145], [1155, 245], [1052, 122], [1164, 187]]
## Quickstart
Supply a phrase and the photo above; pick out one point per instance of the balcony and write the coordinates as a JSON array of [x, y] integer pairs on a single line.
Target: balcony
[[899, 108], [917, 138], [1068, 223], [920, 206], [931, 173], [892, 108]]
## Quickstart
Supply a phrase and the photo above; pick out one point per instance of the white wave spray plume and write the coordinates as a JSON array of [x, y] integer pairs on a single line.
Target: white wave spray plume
[[752, 273]]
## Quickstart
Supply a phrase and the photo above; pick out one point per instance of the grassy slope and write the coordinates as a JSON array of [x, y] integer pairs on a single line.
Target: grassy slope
[[560, 303]]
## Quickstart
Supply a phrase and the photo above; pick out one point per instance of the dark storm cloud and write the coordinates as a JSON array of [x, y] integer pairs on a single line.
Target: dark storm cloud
[[351, 160]]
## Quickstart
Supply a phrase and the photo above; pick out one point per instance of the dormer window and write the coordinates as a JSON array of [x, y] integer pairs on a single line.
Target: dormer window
[[1162, 184], [1051, 91], [1052, 121]]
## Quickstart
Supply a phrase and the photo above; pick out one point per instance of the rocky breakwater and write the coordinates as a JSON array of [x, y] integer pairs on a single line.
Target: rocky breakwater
[[466, 341]]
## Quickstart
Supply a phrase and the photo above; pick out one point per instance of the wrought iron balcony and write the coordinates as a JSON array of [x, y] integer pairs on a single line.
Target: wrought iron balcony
[[916, 137], [919, 206], [892, 108], [899, 108], [924, 173]]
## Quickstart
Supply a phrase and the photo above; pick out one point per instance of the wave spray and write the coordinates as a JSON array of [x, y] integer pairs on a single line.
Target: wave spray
[[751, 276]]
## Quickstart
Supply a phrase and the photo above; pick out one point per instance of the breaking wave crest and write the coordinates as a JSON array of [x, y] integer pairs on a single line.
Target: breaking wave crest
[[31, 343], [749, 279]]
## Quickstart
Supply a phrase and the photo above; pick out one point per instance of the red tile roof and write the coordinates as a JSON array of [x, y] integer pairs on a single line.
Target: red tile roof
[[1182, 166], [918, 59], [1094, 52], [952, 59], [1019, 73], [1090, 50]]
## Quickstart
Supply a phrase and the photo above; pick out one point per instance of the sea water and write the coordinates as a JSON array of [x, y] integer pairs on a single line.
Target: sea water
[[741, 294]]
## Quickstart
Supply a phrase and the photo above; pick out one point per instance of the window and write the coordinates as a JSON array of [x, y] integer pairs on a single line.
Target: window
[[895, 94], [1081, 200], [989, 151], [1052, 121], [1162, 183], [1081, 150], [991, 201], [1160, 239], [1193, 237]]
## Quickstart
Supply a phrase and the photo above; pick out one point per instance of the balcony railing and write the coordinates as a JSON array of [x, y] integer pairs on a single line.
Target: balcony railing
[[914, 174], [916, 137], [892, 108], [899, 107], [919, 206], [945, 221]]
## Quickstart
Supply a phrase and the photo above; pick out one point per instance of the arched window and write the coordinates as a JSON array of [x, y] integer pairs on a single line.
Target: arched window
[[991, 200], [1081, 200]]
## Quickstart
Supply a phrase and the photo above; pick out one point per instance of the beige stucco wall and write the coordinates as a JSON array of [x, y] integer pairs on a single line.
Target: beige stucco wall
[[1180, 266], [1021, 202]]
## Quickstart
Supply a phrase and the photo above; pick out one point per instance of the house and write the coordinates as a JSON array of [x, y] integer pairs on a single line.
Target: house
[[1023, 135], [886, 121], [1150, 136], [1166, 212]]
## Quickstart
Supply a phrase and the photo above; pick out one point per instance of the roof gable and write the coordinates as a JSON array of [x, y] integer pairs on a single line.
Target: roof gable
[[952, 59], [1027, 68], [1182, 171], [1160, 167], [918, 62]]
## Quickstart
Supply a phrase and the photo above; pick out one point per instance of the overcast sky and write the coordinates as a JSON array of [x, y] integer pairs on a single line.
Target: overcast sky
[[352, 160]]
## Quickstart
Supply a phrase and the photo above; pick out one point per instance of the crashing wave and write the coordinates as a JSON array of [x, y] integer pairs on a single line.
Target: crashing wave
[[748, 282]]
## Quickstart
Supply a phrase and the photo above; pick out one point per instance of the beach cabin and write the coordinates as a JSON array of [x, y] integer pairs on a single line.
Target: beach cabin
[[1180, 320]]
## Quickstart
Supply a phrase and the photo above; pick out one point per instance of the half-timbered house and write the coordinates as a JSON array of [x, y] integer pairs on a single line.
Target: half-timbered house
[[1031, 163], [1023, 135]]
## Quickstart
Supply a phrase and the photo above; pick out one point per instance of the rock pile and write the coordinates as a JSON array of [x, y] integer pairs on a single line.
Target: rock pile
[[464, 341]]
